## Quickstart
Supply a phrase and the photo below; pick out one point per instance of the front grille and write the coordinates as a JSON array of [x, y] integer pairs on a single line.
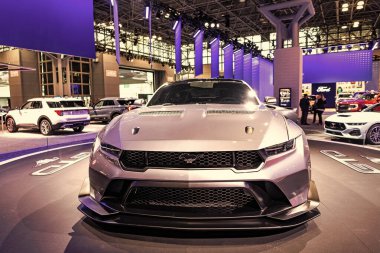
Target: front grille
[[334, 125], [240, 160], [191, 200]]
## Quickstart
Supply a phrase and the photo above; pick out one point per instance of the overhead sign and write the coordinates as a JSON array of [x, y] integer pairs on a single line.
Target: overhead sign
[[64, 27]]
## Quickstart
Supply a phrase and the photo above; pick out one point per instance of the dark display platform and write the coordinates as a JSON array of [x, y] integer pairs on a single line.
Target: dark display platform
[[38, 210]]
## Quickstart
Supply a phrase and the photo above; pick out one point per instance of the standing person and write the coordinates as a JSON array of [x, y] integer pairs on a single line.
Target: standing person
[[319, 108], [305, 105]]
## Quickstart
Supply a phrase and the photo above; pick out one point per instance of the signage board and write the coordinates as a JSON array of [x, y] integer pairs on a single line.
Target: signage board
[[285, 97]]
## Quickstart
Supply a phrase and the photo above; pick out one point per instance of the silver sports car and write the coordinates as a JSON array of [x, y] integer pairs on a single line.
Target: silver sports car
[[203, 154]]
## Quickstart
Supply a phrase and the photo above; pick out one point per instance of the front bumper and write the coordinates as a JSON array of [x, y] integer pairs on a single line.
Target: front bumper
[[280, 219], [351, 132], [71, 124]]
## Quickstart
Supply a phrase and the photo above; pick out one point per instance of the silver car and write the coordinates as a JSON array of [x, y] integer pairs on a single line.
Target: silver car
[[108, 108], [204, 154]]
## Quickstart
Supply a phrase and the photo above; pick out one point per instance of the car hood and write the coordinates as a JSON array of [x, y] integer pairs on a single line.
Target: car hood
[[196, 128], [354, 117]]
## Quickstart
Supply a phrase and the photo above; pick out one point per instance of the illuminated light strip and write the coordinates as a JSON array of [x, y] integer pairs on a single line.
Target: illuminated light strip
[[375, 46], [227, 46], [112, 2], [175, 25], [213, 40], [146, 12], [196, 34]]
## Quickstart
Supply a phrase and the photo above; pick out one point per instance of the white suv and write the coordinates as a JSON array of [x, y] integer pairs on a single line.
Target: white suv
[[49, 114]]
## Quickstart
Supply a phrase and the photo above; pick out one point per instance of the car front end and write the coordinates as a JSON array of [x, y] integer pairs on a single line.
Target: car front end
[[200, 167], [347, 125]]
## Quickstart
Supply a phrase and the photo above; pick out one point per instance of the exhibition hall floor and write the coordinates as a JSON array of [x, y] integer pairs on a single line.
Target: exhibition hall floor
[[39, 210]]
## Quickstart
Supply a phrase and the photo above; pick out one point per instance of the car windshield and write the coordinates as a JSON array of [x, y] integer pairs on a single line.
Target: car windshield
[[66, 103], [358, 95], [72, 103], [204, 92], [344, 95], [126, 102]]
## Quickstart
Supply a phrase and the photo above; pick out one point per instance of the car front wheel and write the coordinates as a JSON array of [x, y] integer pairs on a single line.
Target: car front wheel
[[45, 127], [373, 134], [11, 125]]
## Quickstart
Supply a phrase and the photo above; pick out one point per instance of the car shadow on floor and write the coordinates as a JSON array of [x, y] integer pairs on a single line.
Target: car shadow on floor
[[88, 236]]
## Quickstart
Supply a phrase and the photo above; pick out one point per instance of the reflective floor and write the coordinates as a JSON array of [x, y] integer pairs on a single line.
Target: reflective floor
[[38, 213]]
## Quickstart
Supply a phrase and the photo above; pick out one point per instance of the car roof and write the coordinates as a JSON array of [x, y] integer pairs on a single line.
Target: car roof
[[116, 98], [55, 99]]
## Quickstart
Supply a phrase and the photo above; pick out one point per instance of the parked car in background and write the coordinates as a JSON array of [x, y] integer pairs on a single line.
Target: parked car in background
[[3, 113], [341, 96], [287, 113], [358, 102], [108, 108], [364, 125], [49, 114], [270, 100]]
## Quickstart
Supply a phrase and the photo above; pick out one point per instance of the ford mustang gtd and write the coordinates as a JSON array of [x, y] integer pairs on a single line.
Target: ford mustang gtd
[[203, 154]]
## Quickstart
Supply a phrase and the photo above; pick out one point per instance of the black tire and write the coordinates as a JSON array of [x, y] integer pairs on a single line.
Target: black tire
[[114, 115], [373, 134], [78, 129], [45, 127], [11, 125]]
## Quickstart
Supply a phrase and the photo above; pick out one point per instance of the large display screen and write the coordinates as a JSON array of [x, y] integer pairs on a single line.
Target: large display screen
[[338, 67], [65, 27], [328, 90]]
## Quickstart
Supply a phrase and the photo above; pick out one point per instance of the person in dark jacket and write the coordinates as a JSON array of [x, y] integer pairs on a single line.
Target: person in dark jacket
[[305, 105], [319, 108]]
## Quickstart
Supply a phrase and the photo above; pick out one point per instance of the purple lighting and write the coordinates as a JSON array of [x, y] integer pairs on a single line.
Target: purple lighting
[[338, 67], [238, 64], [178, 52], [63, 27], [228, 60], [198, 46], [214, 44]]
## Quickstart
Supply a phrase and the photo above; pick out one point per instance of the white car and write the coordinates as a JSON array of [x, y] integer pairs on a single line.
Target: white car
[[204, 154], [364, 125], [49, 114]]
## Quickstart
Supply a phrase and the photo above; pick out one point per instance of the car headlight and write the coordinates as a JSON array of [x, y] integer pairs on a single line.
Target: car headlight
[[356, 124], [280, 148], [353, 106], [111, 150], [96, 144]]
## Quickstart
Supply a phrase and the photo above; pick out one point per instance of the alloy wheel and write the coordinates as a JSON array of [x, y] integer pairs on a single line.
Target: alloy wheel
[[374, 135]]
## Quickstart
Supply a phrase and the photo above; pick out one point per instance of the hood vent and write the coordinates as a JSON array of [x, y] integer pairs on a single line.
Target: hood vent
[[344, 115], [161, 113], [233, 112]]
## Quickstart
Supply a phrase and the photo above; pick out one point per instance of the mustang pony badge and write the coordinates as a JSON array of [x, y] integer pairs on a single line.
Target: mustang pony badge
[[190, 158]]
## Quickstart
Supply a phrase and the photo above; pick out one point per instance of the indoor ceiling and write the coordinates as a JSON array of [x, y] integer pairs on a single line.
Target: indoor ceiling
[[243, 15]]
